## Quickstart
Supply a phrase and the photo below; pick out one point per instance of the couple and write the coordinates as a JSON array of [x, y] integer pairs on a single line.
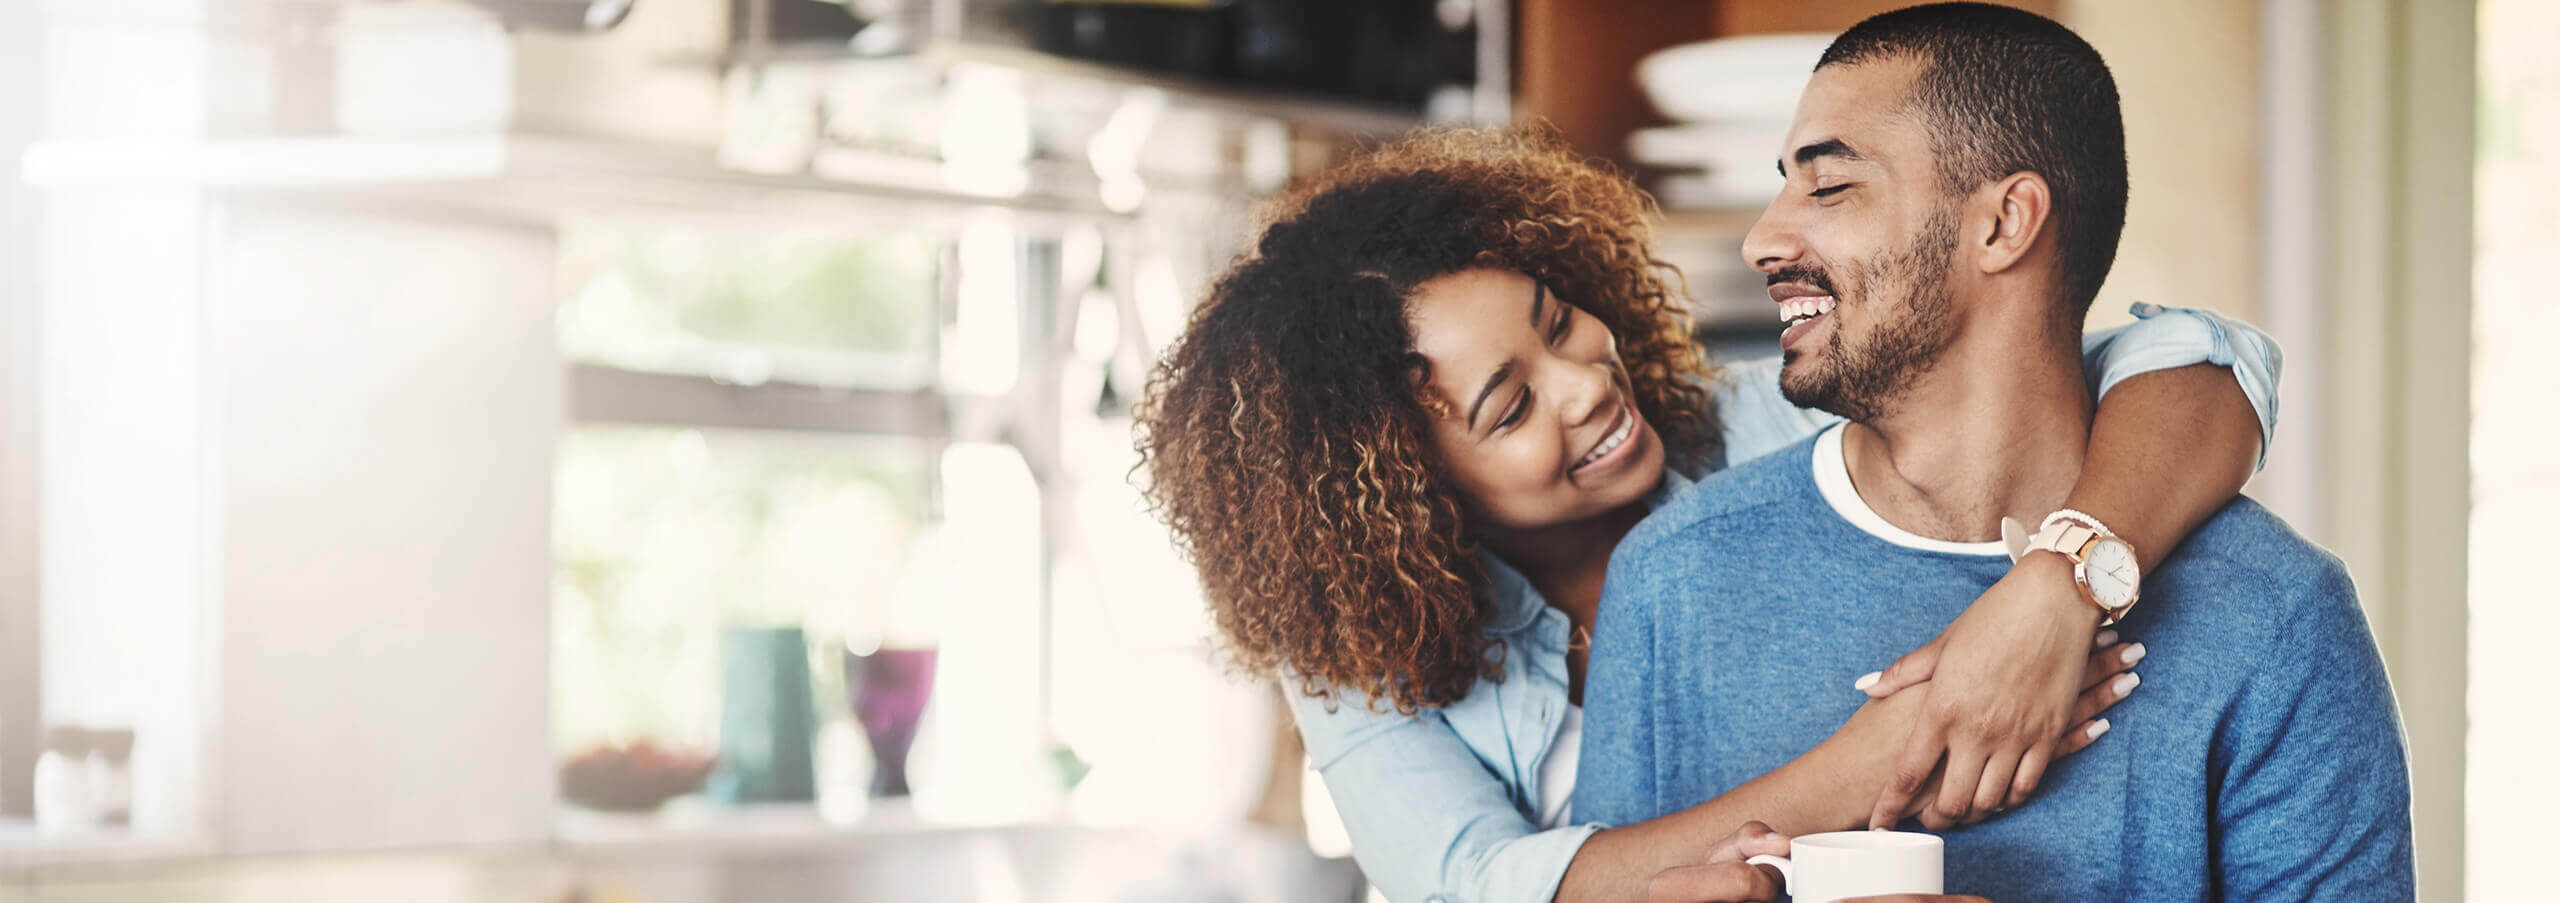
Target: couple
[[1409, 434]]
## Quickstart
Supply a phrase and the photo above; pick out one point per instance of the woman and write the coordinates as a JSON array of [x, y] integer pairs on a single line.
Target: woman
[[1359, 542]]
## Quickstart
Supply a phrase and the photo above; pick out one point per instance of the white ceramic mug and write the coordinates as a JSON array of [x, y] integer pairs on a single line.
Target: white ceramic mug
[[1826, 867]]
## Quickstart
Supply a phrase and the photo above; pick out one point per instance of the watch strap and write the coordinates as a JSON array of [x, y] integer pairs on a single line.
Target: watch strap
[[2074, 515], [2065, 537], [2069, 533]]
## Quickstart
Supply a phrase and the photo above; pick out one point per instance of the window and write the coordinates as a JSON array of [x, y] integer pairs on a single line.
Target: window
[[663, 535], [869, 439], [749, 309], [2515, 486]]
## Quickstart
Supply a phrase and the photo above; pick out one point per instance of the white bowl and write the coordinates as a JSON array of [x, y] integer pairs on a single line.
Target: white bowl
[[1748, 77], [1727, 145]]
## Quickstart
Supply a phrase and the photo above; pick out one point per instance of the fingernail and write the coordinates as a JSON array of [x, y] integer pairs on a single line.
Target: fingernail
[[2098, 728], [2105, 639], [1870, 679], [2134, 653], [2124, 684]]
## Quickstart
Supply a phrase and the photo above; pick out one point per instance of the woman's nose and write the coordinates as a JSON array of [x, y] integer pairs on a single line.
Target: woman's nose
[[1588, 389]]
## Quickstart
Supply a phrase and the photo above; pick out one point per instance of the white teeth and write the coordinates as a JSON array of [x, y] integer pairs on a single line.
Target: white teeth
[[1794, 310], [1626, 428]]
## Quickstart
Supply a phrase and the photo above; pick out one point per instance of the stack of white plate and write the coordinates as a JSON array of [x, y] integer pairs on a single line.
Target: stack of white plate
[[1732, 99]]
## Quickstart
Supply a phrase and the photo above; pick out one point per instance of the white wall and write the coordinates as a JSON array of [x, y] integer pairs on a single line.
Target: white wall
[[121, 441], [21, 109], [128, 541], [2187, 73]]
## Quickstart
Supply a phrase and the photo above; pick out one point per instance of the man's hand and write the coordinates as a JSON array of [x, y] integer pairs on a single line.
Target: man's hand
[[1724, 877], [2002, 680]]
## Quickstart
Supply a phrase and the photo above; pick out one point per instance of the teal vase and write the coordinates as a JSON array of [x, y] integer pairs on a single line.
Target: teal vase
[[768, 718]]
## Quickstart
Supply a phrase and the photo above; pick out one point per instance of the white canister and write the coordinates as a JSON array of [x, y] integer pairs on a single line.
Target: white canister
[[64, 803]]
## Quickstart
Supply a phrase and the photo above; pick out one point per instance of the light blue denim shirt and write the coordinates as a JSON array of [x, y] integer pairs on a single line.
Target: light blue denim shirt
[[1440, 805]]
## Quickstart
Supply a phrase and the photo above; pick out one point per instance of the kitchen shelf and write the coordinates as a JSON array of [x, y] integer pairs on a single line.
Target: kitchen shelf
[[1348, 117], [694, 827], [23, 848], [1342, 117], [544, 178]]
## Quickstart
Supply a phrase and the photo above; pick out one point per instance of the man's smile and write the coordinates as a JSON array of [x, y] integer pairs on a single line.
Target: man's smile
[[1801, 307]]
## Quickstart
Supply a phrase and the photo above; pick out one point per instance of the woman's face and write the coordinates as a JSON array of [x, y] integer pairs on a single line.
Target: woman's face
[[1540, 426]]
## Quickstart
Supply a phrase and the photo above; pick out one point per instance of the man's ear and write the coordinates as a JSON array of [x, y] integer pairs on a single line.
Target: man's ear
[[2018, 207]]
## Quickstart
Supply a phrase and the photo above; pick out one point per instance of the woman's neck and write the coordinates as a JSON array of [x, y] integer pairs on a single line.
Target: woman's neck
[[1566, 562]]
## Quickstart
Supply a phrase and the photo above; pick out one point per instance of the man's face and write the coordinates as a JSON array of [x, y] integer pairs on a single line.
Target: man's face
[[1858, 244]]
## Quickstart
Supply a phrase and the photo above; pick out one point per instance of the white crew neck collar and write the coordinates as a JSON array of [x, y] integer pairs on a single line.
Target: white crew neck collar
[[1831, 476]]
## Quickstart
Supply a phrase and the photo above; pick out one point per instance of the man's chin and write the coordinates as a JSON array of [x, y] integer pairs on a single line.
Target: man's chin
[[1800, 386], [1813, 391]]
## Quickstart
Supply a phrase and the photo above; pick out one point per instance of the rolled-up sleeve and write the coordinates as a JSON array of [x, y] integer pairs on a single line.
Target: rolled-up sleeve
[[1428, 821], [2162, 338], [1757, 419]]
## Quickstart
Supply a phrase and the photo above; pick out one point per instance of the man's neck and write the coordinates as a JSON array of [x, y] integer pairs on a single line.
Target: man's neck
[[1997, 428]]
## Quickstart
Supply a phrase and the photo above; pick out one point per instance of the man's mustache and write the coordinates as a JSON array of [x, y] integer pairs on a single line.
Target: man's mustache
[[1805, 275]]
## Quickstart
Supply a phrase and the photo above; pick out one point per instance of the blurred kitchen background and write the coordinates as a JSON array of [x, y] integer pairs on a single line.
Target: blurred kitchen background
[[677, 450]]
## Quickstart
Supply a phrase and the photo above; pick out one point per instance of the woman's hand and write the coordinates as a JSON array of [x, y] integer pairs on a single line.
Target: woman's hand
[[2167, 449], [2003, 677], [1725, 877], [1881, 725]]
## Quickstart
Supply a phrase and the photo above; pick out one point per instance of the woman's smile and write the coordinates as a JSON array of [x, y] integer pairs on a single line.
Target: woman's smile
[[1622, 443]]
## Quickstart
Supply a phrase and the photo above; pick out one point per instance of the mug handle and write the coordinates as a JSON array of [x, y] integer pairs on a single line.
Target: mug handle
[[1786, 867]]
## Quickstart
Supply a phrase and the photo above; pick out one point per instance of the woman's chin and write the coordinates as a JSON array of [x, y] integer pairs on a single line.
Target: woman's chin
[[1648, 468]]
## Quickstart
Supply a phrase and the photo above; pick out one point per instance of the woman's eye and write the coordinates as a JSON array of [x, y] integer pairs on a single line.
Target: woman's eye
[[1564, 324], [1827, 192], [1519, 410]]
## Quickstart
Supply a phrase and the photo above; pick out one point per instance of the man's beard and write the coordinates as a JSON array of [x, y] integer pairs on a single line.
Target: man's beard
[[1862, 382]]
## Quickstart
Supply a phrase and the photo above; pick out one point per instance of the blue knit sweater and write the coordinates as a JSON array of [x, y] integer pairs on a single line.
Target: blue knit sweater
[[2261, 760]]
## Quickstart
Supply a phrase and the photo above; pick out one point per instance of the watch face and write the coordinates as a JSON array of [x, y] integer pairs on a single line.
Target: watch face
[[2112, 574]]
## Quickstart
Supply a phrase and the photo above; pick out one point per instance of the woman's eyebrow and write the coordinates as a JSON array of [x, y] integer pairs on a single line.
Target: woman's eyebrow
[[1537, 318]]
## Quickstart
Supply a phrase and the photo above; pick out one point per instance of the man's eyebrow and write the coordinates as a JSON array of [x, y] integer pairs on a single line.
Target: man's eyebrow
[[1491, 383], [1828, 147], [1538, 306]]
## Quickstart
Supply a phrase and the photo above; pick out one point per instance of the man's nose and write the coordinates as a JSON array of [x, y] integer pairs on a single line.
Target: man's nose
[[1773, 242]]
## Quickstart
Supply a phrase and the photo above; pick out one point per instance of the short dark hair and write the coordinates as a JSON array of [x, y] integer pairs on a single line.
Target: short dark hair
[[2004, 91]]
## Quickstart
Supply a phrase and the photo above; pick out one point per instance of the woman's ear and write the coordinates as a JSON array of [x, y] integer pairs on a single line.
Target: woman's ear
[[2019, 207]]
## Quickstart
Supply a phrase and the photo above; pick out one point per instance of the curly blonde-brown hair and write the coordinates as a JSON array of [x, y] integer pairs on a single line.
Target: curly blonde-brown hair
[[1286, 441]]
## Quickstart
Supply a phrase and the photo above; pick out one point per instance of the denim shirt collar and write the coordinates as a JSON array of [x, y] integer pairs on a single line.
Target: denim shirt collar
[[1515, 603]]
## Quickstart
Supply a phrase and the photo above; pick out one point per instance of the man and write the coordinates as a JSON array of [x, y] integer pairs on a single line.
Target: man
[[1954, 192]]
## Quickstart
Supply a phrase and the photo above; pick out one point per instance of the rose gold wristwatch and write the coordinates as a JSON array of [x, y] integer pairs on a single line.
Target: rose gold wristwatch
[[2101, 563]]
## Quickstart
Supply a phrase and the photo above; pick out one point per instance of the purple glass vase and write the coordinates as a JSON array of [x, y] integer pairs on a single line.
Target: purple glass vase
[[889, 688]]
